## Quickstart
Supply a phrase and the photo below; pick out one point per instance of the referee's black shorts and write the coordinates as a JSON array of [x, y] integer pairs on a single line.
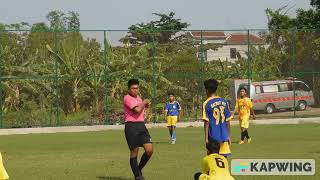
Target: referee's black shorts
[[136, 134]]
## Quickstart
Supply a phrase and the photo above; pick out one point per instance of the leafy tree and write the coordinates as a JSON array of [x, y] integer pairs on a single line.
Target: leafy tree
[[56, 20], [295, 39], [161, 30], [73, 21], [315, 4], [40, 27]]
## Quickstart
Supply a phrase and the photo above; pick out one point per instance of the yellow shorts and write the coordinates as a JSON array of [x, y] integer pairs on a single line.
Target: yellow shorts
[[244, 123], [225, 149], [172, 120], [207, 177]]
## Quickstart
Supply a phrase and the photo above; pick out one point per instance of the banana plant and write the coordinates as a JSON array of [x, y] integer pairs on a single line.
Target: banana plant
[[69, 69]]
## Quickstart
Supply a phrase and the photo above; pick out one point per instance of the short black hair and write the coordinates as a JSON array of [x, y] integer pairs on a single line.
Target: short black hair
[[170, 94], [213, 146], [211, 85], [133, 82], [243, 88]]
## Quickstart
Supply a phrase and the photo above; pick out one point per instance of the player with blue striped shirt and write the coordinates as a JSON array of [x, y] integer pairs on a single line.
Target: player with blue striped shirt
[[216, 117], [172, 111]]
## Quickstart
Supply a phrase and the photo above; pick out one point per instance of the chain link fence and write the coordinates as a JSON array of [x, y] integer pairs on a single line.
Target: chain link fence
[[61, 78]]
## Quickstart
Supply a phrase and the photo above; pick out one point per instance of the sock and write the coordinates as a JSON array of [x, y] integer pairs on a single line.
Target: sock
[[170, 130], [247, 134], [197, 176], [174, 136], [242, 135], [143, 161], [134, 166]]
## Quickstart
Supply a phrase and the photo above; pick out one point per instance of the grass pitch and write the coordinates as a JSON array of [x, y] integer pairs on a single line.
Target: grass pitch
[[104, 155]]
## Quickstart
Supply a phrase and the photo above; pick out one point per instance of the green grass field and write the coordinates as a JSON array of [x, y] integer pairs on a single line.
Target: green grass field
[[104, 155]]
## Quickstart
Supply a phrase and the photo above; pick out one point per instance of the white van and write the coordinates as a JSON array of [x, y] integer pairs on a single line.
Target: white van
[[272, 95]]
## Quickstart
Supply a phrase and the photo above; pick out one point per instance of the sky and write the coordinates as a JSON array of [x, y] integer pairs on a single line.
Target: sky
[[120, 14]]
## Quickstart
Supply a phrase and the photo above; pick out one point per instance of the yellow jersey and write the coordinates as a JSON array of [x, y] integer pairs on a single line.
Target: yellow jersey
[[215, 167], [244, 105]]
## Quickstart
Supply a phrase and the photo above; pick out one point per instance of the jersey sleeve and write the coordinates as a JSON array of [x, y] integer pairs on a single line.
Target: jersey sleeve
[[204, 112], [178, 106], [237, 105], [129, 102], [166, 107], [205, 166], [227, 112], [250, 103]]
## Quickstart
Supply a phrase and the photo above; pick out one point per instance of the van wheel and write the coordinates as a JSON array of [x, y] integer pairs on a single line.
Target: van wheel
[[269, 109], [302, 105]]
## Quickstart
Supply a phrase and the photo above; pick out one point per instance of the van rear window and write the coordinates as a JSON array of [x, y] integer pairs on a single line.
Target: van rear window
[[283, 87], [270, 88], [301, 86], [258, 89]]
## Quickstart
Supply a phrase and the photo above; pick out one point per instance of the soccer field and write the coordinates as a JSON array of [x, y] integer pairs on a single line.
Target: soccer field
[[104, 155]]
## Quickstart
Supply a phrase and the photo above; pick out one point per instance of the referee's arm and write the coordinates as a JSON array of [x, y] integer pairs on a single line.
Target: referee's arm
[[140, 107]]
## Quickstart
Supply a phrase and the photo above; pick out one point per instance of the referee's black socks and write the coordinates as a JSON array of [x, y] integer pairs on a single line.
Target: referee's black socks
[[243, 134], [143, 161], [247, 134], [134, 166]]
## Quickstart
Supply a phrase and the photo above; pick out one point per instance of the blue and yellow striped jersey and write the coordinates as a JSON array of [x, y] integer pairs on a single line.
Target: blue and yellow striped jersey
[[216, 111]]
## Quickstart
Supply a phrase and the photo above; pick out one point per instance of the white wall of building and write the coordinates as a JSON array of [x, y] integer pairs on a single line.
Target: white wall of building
[[223, 53]]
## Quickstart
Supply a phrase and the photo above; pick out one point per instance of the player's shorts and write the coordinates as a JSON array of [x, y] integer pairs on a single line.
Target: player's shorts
[[244, 123], [207, 177], [172, 120], [225, 149], [136, 134]]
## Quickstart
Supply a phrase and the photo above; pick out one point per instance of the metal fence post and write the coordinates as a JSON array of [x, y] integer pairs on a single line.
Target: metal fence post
[[1, 93], [105, 44], [249, 66], [293, 61], [154, 80], [56, 79], [200, 96]]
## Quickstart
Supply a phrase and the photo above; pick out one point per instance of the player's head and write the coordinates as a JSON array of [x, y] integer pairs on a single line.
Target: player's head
[[242, 91], [171, 96], [133, 86], [213, 147], [211, 86]]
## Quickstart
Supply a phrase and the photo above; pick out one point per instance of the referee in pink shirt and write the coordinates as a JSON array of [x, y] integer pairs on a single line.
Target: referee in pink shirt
[[136, 133]]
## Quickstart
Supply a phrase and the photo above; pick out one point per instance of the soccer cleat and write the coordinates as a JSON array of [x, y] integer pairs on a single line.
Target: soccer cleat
[[140, 178], [241, 142], [173, 142], [249, 140]]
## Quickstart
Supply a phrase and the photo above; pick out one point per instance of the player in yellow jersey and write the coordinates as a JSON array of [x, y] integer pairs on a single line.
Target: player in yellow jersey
[[3, 172], [214, 165], [244, 106]]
